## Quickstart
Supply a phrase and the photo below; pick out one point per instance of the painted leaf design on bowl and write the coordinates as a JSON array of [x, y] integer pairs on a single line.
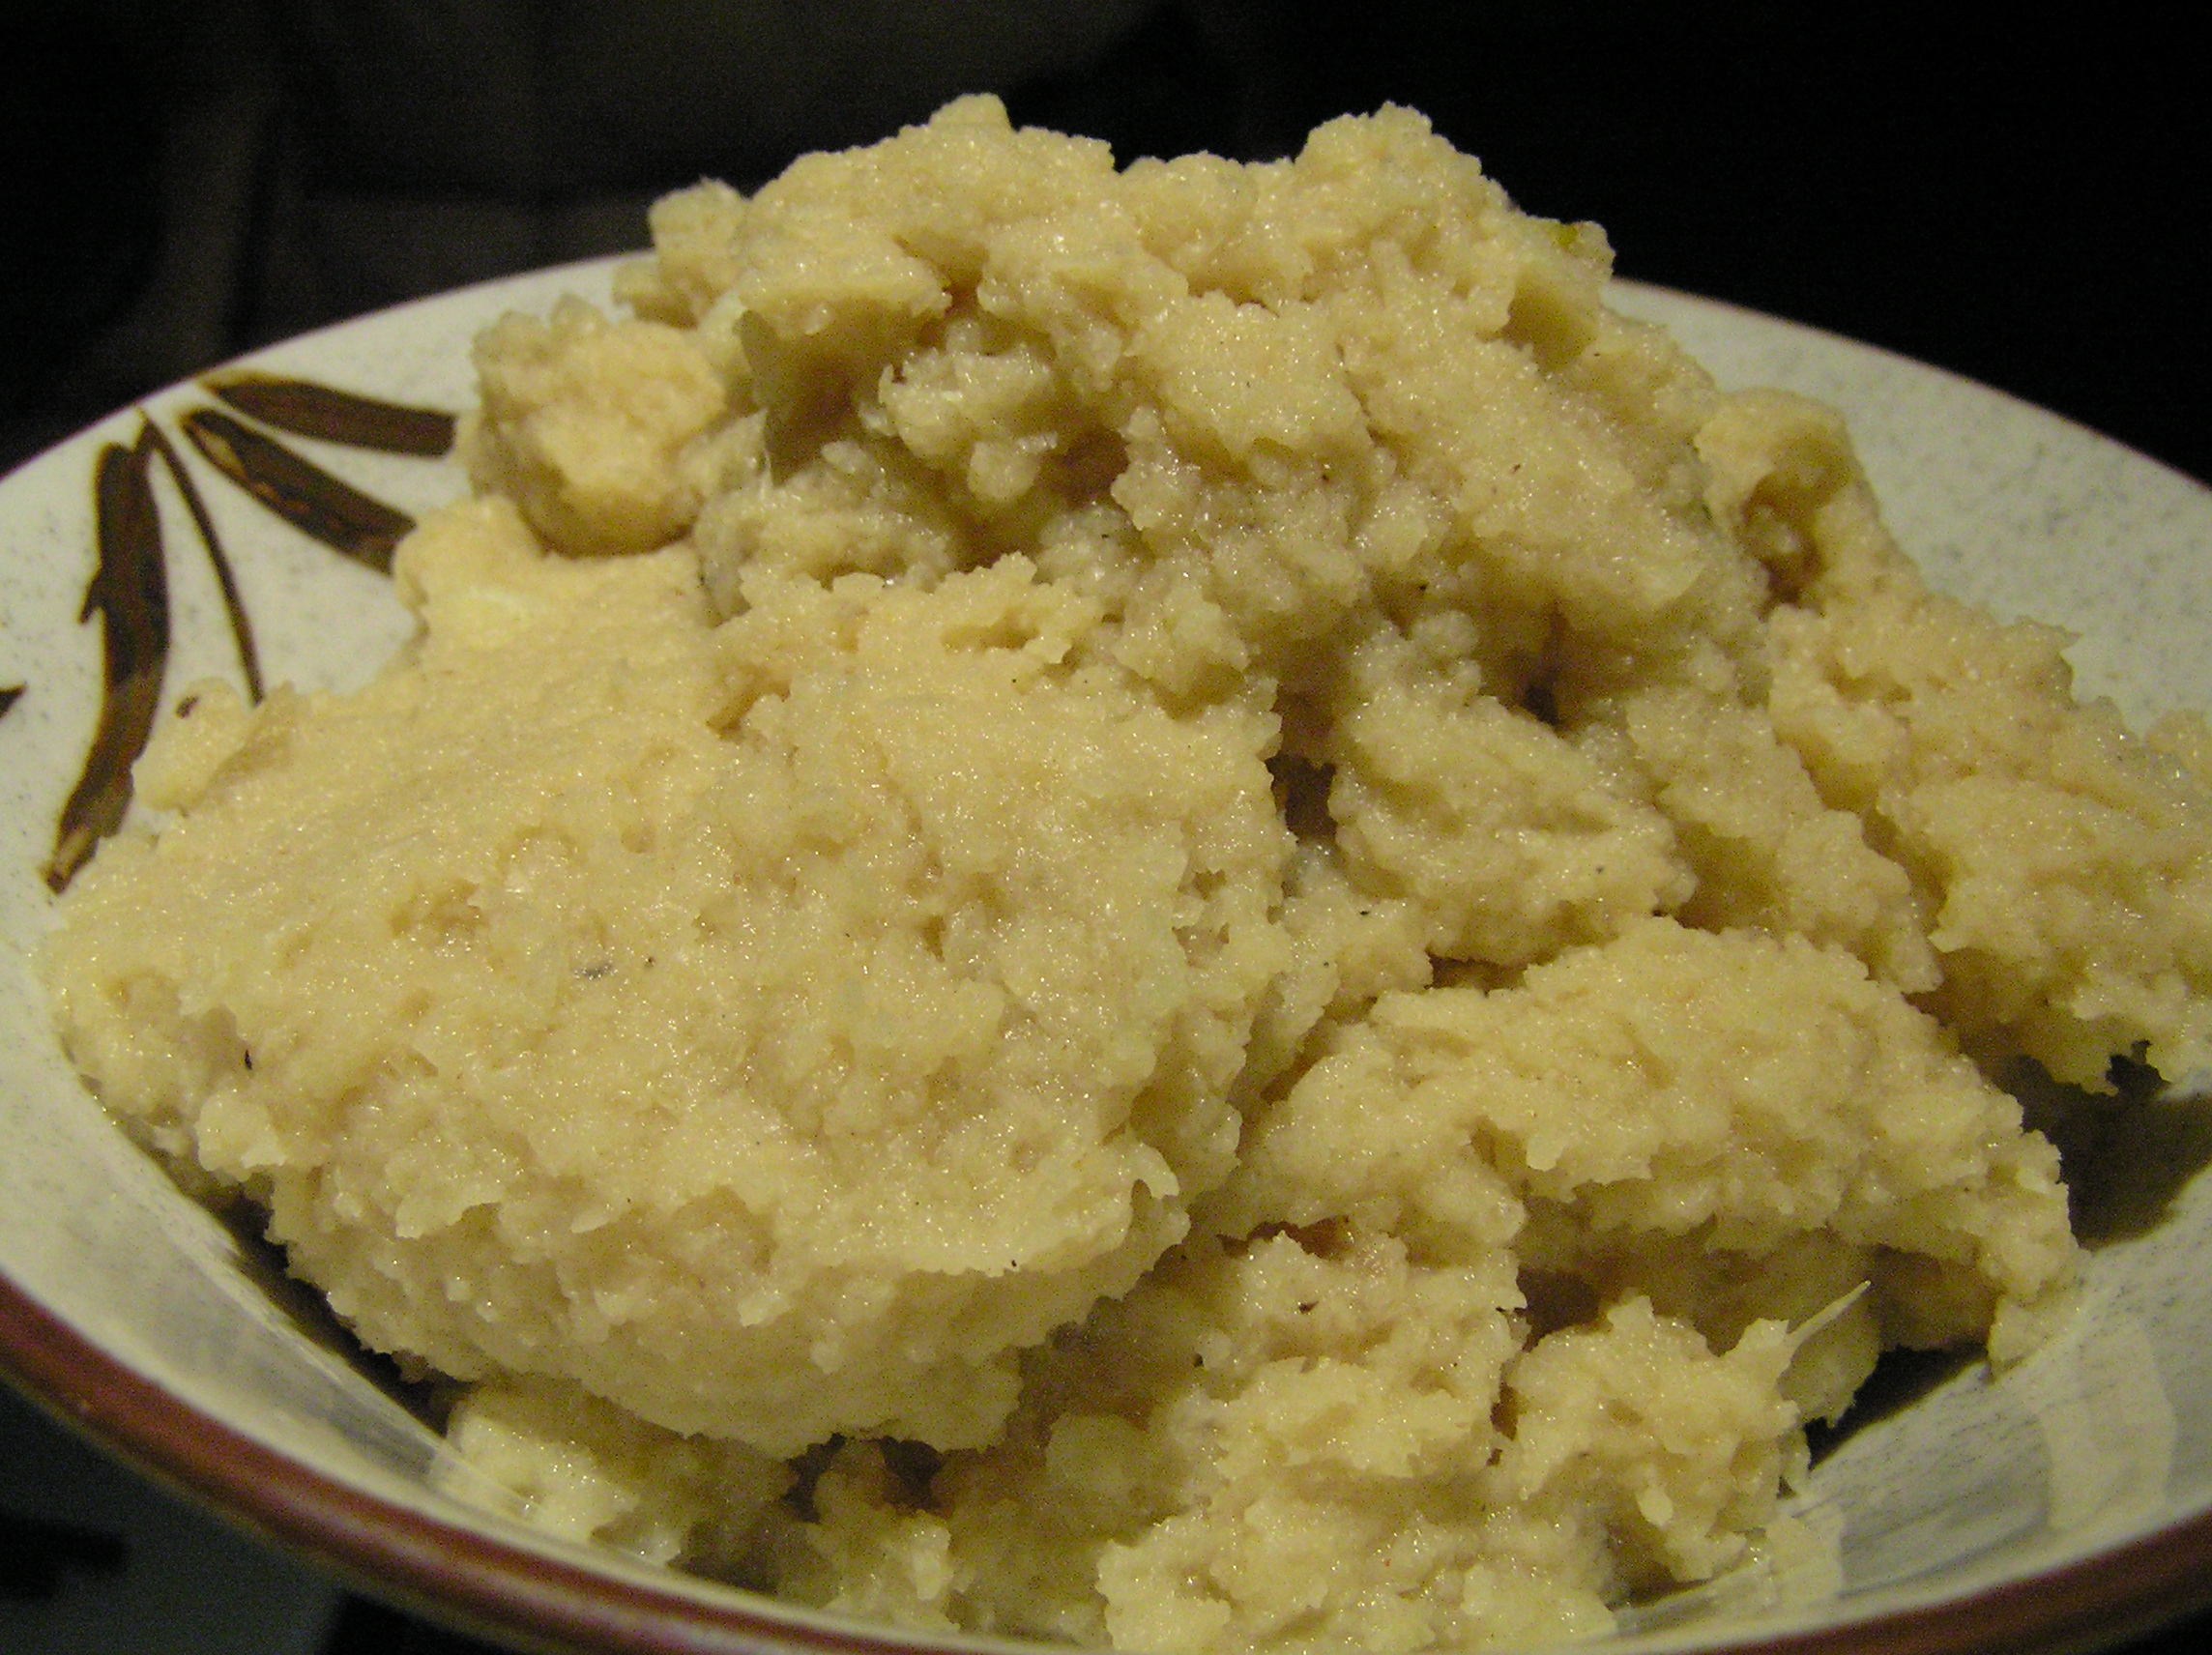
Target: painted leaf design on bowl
[[130, 586], [306, 409]]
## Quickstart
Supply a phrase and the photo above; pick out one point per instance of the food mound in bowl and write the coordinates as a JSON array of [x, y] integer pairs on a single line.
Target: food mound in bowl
[[1167, 907]]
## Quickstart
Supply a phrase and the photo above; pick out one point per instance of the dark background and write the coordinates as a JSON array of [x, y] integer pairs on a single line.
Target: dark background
[[2019, 201]]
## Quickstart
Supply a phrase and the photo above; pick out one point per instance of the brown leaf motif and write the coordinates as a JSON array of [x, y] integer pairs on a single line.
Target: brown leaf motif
[[297, 489], [306, 409], [130, 588], [129, 593]]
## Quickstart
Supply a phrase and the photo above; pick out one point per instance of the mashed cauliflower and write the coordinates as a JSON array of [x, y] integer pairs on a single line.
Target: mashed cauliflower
[[1167, 907]]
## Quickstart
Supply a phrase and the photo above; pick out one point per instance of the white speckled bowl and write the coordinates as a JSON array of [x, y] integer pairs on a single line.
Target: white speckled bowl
[[2063, 1504]]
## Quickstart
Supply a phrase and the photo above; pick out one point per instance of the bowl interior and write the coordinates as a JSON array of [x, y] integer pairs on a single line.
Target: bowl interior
[[178, 1337]]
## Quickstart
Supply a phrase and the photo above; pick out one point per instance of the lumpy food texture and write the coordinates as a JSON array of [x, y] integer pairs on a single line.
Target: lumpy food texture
[[1167, 907]]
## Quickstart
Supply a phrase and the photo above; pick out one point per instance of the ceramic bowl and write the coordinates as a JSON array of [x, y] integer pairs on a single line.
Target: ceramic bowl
[[2067, 1501]]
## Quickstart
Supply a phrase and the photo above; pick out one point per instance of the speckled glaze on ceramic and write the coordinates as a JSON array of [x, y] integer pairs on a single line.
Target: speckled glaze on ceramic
[[2068, 1501]]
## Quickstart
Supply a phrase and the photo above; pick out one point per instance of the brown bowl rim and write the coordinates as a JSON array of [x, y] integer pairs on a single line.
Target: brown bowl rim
[[491, 1586]]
